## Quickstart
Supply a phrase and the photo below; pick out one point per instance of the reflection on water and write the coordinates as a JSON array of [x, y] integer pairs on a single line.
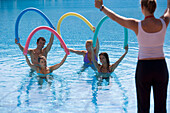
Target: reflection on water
[[29, 94], [103, 79], [102, 82], [125, 98]]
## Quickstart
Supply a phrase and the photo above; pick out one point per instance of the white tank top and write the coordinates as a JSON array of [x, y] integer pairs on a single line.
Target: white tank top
[[151, 44]]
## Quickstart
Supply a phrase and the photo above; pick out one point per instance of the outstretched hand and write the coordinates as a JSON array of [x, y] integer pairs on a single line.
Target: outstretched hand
[[61, 45], [94, 29], [54, 28], [16, 41], [126, 48], [98, 3]]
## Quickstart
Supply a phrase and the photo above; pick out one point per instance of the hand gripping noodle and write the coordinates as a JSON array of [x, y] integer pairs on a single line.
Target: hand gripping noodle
[[97, 30], [23, 12], [76, 15], [49, 29]]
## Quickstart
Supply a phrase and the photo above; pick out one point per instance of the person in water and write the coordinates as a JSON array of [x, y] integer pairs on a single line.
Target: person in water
[[39, 50], [151, 69], [105, 69], [42, 70], [87, 54]]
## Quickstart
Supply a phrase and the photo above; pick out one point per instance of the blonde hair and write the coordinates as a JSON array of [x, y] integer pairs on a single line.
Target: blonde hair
[[89, 41], [149, 4]]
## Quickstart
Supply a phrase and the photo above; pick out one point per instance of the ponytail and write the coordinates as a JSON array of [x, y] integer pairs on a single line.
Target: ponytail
[[149, 4]]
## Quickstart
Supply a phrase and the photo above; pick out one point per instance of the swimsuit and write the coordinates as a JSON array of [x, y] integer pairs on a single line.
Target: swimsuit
[[104, 75], [86, 60], [87, 63], [43, 76]]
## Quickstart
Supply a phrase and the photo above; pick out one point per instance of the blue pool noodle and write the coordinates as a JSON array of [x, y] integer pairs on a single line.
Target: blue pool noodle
[[24, 11], [125, 37], [97, 30]]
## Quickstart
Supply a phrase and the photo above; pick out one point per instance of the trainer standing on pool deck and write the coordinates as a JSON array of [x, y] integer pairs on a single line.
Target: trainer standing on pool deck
[[151, 67]]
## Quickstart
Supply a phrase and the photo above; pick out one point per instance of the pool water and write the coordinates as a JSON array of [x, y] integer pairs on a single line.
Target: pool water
[[71, 91]]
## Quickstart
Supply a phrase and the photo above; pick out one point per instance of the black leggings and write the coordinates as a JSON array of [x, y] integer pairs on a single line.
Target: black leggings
[[151, 73]]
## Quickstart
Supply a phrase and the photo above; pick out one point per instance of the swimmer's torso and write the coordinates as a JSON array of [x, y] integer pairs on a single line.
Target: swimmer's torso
[[34, 56]]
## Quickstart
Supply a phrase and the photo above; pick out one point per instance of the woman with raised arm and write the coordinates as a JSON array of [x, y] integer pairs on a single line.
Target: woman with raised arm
[[87, 54], [151, 68], [42, 70], [105, 69]]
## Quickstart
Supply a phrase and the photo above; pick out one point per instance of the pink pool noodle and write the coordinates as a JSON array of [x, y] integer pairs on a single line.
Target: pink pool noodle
[[49, 29]]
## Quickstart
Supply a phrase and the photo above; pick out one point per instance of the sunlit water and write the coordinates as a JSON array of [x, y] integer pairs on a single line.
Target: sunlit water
[[70, 91]]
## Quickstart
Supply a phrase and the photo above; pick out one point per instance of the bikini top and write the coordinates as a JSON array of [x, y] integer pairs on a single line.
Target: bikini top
[[99, 71], [44, 75], [103, 75], [86, 60]]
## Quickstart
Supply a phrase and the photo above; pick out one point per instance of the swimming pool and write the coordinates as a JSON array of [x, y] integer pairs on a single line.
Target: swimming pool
[[71, 91]]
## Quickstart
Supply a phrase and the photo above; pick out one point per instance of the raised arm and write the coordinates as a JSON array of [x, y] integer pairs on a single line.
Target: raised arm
[[29, 63], [49, 45], [126, 22], [78, 52], [21, 47], [97, 44], [54, 67], [113, 66], [166, 15], [97, 47], [94, 60]]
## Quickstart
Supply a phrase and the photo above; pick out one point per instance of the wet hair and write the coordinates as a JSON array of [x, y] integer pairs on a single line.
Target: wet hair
[[149, 4], [41, 57], [41, 38], [89, 41], [107, 58]]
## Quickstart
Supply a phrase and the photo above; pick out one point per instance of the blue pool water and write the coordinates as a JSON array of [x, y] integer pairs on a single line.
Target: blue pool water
[[70, 91]]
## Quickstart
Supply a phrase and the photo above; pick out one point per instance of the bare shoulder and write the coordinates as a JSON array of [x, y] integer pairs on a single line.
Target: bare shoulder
[[44, 49], [166, 19], [133, 24], [112, 68], [31, 51], [133, 21], [84, 52]]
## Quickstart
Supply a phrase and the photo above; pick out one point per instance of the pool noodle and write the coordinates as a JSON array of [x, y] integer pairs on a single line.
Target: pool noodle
[[73, 14], [97, 30], [125, 37], [49, 29], [24, 11]]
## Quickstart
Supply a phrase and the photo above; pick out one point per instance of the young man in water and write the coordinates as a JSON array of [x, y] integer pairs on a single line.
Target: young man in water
[[39, 50]]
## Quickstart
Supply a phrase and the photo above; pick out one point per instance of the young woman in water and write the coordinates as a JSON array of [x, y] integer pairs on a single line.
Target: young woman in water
[[87, 54], [105, 69], [42, 70]]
